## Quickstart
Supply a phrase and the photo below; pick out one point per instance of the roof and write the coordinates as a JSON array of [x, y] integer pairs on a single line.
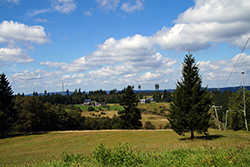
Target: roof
[[87, 100]]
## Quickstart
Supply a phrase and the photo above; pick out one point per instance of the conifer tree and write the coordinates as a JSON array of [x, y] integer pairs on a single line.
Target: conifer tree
[[131, 115], [189, 112], [6, 106]]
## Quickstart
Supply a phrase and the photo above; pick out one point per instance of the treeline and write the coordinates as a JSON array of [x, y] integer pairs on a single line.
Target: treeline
[[101, 96], [35, 116], [233, 104], [24, 114], [37, 113], [29, 114]]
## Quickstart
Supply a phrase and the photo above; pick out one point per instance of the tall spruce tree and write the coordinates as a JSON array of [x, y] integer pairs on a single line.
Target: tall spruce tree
[[131, 115], [189, 112], [7, 114]]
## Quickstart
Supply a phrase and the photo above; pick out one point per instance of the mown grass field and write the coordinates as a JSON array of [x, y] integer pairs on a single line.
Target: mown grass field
[[40, 149], [152, 112]]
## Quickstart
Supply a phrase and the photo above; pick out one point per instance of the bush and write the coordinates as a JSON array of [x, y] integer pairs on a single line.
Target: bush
[[164, 108], [148, 125], [212, 123], [167, 126], [91, 109], [120, 155], [143, 110]]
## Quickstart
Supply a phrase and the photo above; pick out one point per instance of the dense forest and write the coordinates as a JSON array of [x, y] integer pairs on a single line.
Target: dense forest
[[49, 112]]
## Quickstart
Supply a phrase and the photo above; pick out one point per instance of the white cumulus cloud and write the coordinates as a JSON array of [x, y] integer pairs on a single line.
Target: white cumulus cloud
[[89, 13], [64, 6], [15, 55], [222, 11], [41, 20], [14, 1], [53, 64], [208, 22], [221, 69], [10, 30], [127, 7], [138, 51], [108, 4]]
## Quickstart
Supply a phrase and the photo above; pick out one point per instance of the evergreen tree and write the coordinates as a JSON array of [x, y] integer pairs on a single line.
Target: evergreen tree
[[189, 110], [131, 115], [157, 86], [7, 114], [139, 87]]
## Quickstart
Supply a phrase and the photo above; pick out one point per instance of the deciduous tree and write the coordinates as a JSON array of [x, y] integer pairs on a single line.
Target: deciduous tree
[[236, 118]]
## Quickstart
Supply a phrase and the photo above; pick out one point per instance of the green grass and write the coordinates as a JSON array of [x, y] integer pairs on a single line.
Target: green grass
[[159, 121], [112, 107], [43, 148]]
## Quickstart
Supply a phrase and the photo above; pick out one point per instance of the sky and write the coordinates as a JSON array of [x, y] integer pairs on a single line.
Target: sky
[[110, 44]]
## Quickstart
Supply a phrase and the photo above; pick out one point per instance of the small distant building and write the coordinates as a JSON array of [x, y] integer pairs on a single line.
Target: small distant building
[[87, 102], [150, 99], [98, 104], [143, 101]]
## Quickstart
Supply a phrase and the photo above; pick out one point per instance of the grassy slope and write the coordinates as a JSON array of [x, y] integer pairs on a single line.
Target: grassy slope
[[155, 119], [45, 147]]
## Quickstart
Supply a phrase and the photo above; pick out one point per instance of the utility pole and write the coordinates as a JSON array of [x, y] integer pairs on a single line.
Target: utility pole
[[216, 114], [244, 99], [62, 89]]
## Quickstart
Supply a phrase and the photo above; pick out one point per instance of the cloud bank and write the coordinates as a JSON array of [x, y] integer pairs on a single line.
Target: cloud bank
[[138, 59], [12, 33]]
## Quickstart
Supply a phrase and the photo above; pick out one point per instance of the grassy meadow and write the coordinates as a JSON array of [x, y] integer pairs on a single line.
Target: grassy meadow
[[153, 112], [47, 149], [161, 147]]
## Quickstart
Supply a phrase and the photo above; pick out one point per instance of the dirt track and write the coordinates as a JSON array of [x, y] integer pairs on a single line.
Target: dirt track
[[107, 130]]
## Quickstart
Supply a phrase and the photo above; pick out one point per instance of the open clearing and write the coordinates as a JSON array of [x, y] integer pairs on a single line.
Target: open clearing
[[157, 119], [40, 148]]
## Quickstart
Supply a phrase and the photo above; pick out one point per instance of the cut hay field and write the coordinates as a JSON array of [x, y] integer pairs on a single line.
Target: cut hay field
[[40, 149], [153, 112]]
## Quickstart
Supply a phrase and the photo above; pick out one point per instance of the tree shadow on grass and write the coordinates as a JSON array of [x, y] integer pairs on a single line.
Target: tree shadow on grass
[[207, 137], [12, 135]]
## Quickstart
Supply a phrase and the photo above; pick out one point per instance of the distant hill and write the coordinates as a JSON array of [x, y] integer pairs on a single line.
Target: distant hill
[[233, 89]]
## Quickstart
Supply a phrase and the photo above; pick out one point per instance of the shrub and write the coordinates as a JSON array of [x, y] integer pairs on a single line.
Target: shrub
[[164, 108], [143, 110], [71, 158], [120, 155], [91, 109], [148, 125], [167, 126], [212, 124]]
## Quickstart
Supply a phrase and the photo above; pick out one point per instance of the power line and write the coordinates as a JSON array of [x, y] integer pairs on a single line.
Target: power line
[[237, 61]]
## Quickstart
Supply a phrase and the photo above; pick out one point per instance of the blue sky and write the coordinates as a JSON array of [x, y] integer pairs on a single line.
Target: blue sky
[[109, 44]]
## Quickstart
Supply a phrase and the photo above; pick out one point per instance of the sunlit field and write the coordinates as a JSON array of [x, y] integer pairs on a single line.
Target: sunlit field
[[47, 148], [153, 112]]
